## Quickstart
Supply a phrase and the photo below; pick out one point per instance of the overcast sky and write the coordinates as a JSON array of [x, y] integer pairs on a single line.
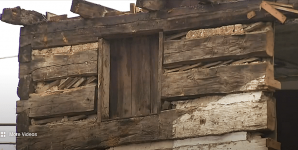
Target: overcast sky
[[9, 43]]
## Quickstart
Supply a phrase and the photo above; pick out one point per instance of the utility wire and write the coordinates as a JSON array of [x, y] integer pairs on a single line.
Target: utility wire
[[8, 57]]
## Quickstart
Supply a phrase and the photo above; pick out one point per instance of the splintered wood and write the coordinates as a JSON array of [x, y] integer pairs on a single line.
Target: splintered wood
[[225, 30], [226, 79], [61, 62], [238, 29], [251, 14], [282, 18], [206, 116], [81, 99], [58, 86]]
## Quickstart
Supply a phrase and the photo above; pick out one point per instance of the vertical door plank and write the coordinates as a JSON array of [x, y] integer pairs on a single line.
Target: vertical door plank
[[114, 79], [135, 75], [103, 79], [119, 86], [124, 78], [99, 79], [160, 72], [141, 76], [145, 74], [154, 52]]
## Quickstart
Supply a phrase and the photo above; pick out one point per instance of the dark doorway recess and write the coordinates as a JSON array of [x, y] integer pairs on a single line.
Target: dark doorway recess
[[287, 118]]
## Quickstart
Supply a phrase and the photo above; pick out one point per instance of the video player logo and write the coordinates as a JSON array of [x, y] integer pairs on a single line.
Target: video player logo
[[2, 134]]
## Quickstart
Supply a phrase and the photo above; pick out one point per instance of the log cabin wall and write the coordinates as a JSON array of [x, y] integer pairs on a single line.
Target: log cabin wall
[[62, 81], [185, 78]]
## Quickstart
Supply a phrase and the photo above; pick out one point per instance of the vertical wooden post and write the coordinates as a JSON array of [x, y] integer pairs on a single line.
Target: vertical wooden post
[[160, 62], [103, 80], [23, 123], [132, 8]]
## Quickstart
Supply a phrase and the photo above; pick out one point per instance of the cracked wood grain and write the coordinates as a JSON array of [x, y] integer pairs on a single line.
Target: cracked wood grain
[[71, 101], [209, 115], [259, 44], [225, 79]]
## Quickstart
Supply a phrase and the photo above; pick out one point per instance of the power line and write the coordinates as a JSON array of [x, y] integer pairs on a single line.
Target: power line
[[8, 124], [8, 57], [8, 143]]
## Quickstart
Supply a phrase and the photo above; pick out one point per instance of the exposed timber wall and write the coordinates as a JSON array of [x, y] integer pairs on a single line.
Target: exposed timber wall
[[176, 78]]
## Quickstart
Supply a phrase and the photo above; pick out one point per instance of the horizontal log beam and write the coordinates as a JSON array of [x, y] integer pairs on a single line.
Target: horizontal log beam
[[151, 4], [284, 70], [70, 101], [285, 44], [18, 16], [57, 72], [89, 10], [215, 48], [231, 115], [61, 62], [226, 79], [69, 32], [154, 5], [231, 141]]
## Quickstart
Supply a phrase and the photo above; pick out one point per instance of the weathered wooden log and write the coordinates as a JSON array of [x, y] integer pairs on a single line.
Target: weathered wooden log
[[25, 54], [154, 5], [72, 101], [256, 144], [25, 87], [18, 16], [89, 10], [58, 18], [226, 79], [212, 115], [45, 121], [260, 44], [285, 71], [285, 43], [57, 72], [231, 141], [23, 123], [70, 32], [49, 15], [57, 119], [24, 69], [151, 4], [60, 62]]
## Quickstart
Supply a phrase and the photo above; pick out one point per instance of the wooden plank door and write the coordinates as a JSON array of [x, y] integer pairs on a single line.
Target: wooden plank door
[[134, 76]]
